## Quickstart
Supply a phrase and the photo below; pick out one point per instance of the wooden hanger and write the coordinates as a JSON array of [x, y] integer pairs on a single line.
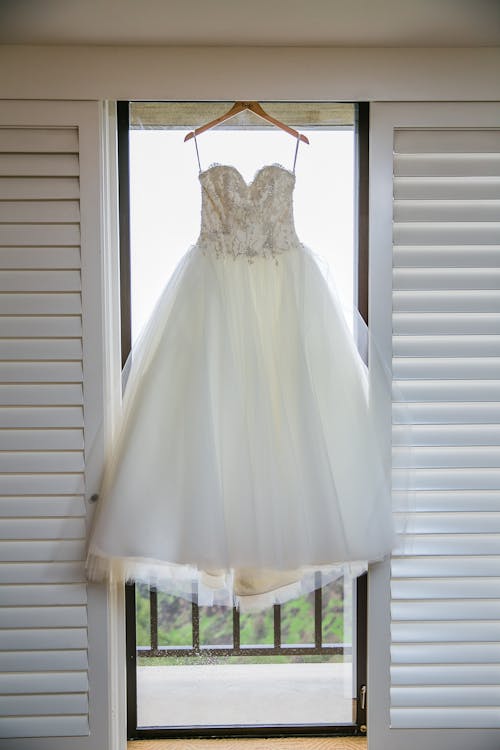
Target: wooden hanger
[[254, 107]]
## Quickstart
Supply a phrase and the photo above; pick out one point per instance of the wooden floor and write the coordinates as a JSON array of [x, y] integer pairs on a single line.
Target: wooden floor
[[307, 743]]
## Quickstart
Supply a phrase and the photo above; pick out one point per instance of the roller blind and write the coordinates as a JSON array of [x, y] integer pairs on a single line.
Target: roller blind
[[445, 576]]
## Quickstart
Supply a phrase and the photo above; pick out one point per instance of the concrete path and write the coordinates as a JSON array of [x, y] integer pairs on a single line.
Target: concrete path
[[228, 694]]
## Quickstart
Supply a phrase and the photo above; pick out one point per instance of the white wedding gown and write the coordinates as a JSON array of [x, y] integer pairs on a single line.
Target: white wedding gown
[[247, 456]]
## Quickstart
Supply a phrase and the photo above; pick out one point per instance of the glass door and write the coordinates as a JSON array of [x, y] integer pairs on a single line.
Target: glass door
[[298, 668]]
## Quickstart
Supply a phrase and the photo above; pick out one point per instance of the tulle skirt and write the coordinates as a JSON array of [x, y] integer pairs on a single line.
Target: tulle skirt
[[247, 456]]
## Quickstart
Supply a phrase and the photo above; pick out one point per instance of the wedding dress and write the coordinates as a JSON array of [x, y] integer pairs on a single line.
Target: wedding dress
[[247, 456]]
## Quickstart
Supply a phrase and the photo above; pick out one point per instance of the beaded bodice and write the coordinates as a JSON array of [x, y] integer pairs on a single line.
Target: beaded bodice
[[248, 221]]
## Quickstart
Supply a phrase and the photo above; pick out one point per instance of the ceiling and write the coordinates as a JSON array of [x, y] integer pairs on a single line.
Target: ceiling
[[343, 23]]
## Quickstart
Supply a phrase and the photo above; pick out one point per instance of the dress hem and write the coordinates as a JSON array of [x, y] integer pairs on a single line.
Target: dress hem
[[249, 590]]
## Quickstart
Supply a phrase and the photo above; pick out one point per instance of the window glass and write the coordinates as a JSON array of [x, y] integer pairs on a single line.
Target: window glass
[[178, 687]]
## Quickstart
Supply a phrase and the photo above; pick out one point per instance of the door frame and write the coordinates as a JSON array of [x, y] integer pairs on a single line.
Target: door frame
[[360, 594]]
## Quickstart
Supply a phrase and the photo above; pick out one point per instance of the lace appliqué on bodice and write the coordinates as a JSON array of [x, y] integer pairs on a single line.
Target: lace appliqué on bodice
[[249, 221]]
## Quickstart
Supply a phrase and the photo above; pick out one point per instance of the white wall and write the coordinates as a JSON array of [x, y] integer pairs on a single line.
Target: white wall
[[94, 73], [227, 73]]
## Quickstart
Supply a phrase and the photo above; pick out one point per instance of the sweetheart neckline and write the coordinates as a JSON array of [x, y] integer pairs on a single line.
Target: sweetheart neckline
[[217, 165]]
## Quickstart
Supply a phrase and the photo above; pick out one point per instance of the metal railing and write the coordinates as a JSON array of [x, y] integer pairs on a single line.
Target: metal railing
[[236, 648]]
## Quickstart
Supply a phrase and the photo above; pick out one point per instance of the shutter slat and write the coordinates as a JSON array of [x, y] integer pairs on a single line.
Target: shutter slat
[[452, 522], [42, 506], [447, 479], [450, 544], [446, 346], [461, 368], [46, 617], [21, 661], [44, 726], [445, 674], [459, 211], [445, 165], [45, 303], [34, 188], [37, 639], [448, 500], [446, 413], [50, 682], [446, 323], [43, 551], [459, 565], [445, 233], [446, 456], [445, 435], [42, 594], [39, 140], [45, 349], [439, 390], [460, 301], [52, 572], [449, 695], [447, 256], [53, 439], [39, 234], [42, 528], [444, 653], [446, 588], [445, 718], [41, 461], [45, 165], [35, 484], [41, 372], [40, 281], [41, 394], [44, 212], [423, 279], [446, 188], [61, 326], [38, 705], [446, 141], [40, 257], [437, 632], [43, 416], [425, 610]]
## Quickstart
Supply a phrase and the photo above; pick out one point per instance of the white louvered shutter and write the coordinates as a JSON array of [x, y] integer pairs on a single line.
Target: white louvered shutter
[[446, 345], [44, 429], [445, 575]]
